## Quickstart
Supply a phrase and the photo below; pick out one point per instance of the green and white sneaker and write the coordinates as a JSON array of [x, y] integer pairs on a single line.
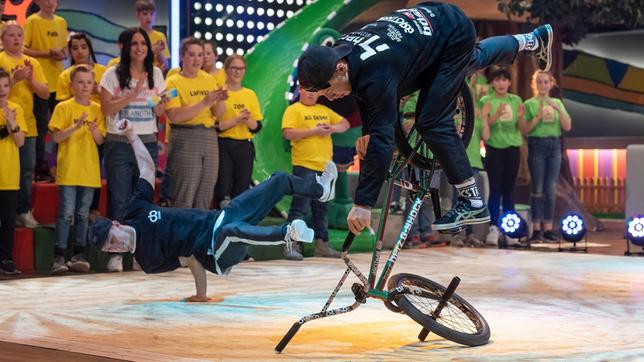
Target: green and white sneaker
[[462, 214]]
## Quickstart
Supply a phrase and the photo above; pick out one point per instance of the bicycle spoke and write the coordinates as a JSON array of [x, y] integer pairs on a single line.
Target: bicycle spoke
[[454, 315]]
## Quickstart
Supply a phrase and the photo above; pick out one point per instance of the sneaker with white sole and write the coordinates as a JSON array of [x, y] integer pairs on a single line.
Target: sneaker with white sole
[[297, 231], [78, 264], [544, 36], [327, 180], [462, 214], [514, 242], [59, 266], [115, 264], [26, 220], [492, 238]]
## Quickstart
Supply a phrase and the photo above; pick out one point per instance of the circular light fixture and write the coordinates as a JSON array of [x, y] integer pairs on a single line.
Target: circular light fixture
[[512, 225], [573, 227], [197, 5], [197, 20], [208, 6], [635, 229]]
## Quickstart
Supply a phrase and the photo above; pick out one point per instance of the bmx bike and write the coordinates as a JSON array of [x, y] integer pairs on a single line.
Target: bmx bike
[[436, 308]]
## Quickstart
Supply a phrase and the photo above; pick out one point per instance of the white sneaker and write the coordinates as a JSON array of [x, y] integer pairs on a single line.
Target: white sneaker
[[327, 180], [513, 241], [493, 235], [297, 231], [26, 220], [115, 264]]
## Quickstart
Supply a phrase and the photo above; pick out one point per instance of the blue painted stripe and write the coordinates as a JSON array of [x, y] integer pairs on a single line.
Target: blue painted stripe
[[59, 11]]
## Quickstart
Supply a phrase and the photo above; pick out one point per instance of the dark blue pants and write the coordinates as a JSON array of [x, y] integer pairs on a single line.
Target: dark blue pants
[[122, 175], [238, 228], [301, 205], [544, 161], [437, 100]]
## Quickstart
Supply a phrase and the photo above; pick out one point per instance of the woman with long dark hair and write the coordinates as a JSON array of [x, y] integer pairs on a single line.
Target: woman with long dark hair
[[125, 90]]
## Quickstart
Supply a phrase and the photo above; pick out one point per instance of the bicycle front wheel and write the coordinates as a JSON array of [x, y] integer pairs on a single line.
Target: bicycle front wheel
[[458, 321]]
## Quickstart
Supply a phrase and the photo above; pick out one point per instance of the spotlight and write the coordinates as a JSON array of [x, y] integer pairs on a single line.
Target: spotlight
[[635, 229], [573, 228], [197, 5], [208, 6], [634, 234], [513, 226], [208, 21]]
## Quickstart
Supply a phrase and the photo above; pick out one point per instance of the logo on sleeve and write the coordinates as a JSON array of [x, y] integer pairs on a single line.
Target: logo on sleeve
[[154, 216]]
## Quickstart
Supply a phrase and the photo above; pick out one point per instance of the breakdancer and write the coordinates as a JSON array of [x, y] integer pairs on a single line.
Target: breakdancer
[[163, 239]]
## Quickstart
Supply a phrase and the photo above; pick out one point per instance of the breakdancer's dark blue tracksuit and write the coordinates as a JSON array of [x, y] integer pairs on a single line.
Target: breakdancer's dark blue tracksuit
[[431, 47], [219, 239]]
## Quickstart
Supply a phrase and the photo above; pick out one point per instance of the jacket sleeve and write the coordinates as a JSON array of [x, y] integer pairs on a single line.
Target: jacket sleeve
[[381, 111]]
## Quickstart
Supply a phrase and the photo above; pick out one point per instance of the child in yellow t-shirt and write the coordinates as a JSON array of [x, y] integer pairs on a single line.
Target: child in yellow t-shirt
[[12, 137], [146, 12], [309, 127], [241, 120], [78, 127], [28, 79], [46, 40], [82, 53]]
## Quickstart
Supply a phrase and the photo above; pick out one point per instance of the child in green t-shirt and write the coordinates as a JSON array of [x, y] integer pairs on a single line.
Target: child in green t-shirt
[[545, 117], [504, 113]]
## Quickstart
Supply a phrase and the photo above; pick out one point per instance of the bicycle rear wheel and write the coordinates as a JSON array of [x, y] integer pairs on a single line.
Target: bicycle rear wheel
[[458, 322], [464, 123]]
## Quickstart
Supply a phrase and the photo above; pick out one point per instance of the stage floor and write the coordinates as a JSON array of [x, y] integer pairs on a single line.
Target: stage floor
[[539, 306]]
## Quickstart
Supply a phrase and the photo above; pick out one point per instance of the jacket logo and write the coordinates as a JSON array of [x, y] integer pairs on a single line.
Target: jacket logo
[[154, 216]]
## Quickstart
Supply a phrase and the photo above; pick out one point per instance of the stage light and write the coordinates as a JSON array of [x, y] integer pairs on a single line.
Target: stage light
[[208, 21], [208, 6], [230, 9], [229, 51], [512, 225], [230, 23], [270, 26], [260, 11], [270, 12], [220, 64], [208, 35], [197, 5], [280, 13], [240, 9], [573, 228], [250, 10], [219, 8], [250, 24], [219, 22], [220, 50], [198, 34], [260, 25], [240, 38], [219, 37], [260, 38], [289, 13], [240, 24], [250, 38], [240, 51], [635, 229], [197, 20], [230, 37]]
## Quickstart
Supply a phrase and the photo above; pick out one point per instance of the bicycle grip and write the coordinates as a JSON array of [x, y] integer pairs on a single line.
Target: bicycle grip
[[287, 337], [348, 241]]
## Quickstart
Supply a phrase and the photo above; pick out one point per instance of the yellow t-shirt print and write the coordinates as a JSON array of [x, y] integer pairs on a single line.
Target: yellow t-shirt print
[[548, 114], [506, 115]]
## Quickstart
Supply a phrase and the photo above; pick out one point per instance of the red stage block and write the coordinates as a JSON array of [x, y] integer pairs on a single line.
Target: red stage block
[[23, 249], [44, 202], [102, 203]]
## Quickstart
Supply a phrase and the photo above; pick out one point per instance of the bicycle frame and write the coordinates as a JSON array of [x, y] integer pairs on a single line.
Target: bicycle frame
[[369, 287]]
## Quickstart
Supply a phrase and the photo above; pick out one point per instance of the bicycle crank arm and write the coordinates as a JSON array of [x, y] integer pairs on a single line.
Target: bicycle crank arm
[[297, 325], [443, 302]]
